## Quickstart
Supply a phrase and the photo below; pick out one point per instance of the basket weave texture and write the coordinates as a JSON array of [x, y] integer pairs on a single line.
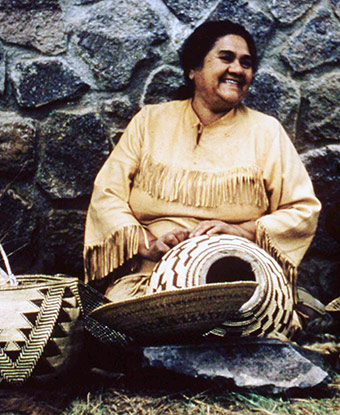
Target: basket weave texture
[[38, 326]]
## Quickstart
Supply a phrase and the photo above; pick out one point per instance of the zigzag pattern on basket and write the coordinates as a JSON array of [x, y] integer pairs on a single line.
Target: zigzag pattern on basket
[[270, 310], [36, 318]]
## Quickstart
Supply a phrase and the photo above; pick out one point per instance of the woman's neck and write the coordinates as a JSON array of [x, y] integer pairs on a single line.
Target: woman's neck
[[205, 114]]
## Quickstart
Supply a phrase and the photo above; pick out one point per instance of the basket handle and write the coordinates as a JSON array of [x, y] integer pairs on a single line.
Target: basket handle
[[9, 277]]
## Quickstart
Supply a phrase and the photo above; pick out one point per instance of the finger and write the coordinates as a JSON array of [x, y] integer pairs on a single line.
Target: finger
[[202, 228], [181, 234]]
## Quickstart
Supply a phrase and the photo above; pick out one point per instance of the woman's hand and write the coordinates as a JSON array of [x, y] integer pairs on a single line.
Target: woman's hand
[[159, 246], [211, 227]]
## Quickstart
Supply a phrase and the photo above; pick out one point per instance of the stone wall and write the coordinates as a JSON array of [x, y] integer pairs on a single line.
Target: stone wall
[[73, 72]]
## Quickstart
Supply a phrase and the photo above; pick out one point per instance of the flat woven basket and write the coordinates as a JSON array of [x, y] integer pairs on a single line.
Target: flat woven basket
[[40, 330], [218, 285]]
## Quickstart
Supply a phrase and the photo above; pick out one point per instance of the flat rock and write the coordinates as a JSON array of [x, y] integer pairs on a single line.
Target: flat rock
[[287, 11], [17, 144], [320, 112], [41, 81], [253, 363], [41, 29], [256, 22], [114, 37], [190, 11], [74, 145], [316, 44], [275, 95]]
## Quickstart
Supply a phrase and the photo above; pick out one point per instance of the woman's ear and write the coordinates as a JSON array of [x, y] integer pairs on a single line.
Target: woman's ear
[[192, 74]]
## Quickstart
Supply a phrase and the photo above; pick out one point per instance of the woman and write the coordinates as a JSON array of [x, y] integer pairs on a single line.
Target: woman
[[204, 165]]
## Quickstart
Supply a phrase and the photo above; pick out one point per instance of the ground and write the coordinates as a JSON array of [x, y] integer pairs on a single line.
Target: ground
[[150, 392]]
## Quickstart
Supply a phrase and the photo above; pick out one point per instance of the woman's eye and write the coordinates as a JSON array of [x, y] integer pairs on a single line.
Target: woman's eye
[[245, 62], [228, 57]]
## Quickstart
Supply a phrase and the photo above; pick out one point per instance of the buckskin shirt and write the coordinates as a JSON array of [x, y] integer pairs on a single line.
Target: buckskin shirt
[[170, 171]]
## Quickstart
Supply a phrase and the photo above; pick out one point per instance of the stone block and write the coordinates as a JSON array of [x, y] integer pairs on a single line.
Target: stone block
[[2, 69], [259, 24], [17, 226], [322, 259], [41, 29], [29, 4], [162, 85], [41, 81], [316, 44], [17, 144], [190, 11], [74, 145], [114, 38], [275, 95], [336, 7], [320, 112], [62, 240], [287, 11]]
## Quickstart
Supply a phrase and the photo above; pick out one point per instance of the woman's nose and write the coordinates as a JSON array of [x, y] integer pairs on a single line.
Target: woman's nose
[[235, 67]]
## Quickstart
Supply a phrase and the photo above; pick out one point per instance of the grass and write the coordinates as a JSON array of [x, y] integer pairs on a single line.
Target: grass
[[210, 402], [162, 393]]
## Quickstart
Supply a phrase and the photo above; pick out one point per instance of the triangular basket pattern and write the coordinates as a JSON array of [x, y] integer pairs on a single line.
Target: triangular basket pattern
[[36, 319]]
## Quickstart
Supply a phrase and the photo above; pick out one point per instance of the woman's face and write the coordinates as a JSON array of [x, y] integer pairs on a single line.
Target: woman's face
[[225, 76]]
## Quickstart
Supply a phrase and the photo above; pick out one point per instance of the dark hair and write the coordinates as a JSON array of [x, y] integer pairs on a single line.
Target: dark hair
[[202, 40]]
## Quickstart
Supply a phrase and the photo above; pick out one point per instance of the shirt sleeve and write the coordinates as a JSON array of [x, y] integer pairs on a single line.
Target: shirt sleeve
[[287, 230], [112, 231]]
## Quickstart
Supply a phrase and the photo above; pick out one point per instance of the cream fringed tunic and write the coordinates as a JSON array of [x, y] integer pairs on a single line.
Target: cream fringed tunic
[[170, 171]]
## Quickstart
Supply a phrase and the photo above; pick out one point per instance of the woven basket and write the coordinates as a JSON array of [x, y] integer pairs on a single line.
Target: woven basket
[[40, 330], [208, 285]]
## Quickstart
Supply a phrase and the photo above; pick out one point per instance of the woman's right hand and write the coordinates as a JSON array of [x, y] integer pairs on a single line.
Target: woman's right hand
[[159, 246]]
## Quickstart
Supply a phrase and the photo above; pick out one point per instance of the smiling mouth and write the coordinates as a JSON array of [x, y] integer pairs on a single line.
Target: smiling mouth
[[232, 82]]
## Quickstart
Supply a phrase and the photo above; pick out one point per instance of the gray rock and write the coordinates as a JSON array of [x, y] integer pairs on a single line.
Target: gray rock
[[114, 37], [62, 238], [320, 277], [17, 226], [85, 1], [189, 11], [2, 69], [336, 7], [255, 363], [29, 4], [317, 43], [287, 11], [17, 144], [320, 112], [162, 85], [74, 145], [118, 112], [41, 29], [255, 21], [323, 165], [275, 95], [41, 81]]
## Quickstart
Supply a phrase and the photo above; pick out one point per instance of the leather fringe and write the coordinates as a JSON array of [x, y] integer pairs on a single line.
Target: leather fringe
[[102, 259], [289, 269], [202, 189]]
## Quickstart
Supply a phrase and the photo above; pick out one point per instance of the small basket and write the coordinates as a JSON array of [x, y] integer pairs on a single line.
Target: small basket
[[40, 329]]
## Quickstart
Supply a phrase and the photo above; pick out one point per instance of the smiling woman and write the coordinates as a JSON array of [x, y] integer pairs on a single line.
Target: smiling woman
[[223, 80], [204, 165]]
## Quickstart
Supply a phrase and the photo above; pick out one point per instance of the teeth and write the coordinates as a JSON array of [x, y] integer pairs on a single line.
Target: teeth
[[230, 81]]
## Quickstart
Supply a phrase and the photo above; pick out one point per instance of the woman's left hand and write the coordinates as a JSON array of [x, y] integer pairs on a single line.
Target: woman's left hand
[[211, 227]]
